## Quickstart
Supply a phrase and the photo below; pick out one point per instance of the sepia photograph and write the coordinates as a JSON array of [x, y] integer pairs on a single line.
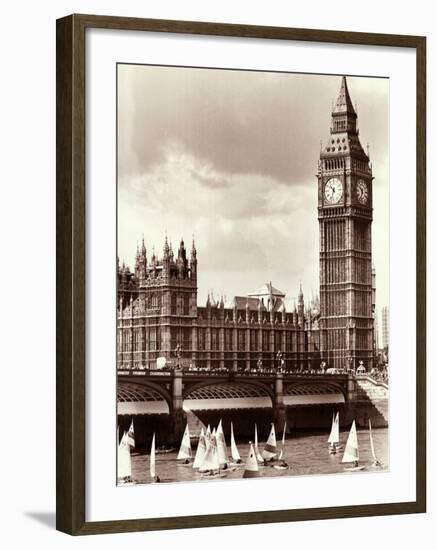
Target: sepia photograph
[[253, 262]]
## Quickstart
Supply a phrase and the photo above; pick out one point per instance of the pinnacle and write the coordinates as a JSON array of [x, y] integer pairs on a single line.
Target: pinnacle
[[344, 102]]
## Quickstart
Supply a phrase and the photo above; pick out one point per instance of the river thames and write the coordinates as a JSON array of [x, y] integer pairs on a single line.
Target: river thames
[[306, 453]]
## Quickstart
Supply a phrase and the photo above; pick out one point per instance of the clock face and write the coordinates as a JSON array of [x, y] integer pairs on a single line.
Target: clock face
[[333, 191], [362, 191]]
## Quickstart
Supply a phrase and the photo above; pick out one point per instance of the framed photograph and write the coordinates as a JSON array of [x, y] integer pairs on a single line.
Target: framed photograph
[[240, 274]]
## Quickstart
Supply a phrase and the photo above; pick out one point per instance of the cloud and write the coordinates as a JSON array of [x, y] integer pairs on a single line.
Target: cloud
[[231, 157]]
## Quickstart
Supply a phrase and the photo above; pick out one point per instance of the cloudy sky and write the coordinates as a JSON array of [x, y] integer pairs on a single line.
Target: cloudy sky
[[231, 158]]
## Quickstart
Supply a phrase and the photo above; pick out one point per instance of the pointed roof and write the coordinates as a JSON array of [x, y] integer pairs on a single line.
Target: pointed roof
[[344, 102], [267, 290]]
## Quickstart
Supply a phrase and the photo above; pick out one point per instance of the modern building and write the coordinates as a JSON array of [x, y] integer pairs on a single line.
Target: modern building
[[385, 327], [160, 322]]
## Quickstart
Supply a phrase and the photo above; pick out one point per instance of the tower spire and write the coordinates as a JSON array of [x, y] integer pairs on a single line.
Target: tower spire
[[166, 249], [344, 103], [344, 117]]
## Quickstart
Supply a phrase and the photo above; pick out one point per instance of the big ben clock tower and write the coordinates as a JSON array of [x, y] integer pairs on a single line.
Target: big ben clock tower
[[345, 222]]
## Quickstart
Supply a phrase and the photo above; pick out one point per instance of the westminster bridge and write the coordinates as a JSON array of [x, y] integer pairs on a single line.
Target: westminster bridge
[[163, 401]]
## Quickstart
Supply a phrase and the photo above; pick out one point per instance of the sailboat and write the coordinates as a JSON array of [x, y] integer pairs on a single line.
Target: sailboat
[[201, 450], [283, 465], [376, 463], [351, 453], [211, 465], [221, 446], [251, 468], [234, 449], [185, 448], [257, 453], [153, 475], [124, 463], [269, 451], [131, 435], [334, 436]]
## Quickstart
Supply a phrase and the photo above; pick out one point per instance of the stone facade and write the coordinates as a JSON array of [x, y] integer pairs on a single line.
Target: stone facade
[[345, 219], [158, 317]]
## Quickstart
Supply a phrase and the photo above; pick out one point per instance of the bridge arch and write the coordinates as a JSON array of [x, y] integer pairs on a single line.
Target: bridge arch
[[314, 393], [137, 398], [221, 395]]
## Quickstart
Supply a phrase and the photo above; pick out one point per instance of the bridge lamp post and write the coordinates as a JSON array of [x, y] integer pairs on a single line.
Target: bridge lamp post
[[280, 361], [259, 364], [323, 366], [178, 353]]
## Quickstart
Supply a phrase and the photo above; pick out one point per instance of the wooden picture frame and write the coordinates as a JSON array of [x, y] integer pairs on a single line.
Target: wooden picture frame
[[71, 254]]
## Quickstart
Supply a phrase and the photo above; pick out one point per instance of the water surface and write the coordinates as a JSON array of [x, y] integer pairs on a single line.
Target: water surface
[[306, 454]]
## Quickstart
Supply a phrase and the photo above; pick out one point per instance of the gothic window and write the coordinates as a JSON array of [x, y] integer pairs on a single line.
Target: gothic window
[[214, 339], [186, 344], [253, 340], [173, 304], [228, 339], [288, 341], [266, 340], [278, 341], [241, 340], [186, 304], [201, 337]]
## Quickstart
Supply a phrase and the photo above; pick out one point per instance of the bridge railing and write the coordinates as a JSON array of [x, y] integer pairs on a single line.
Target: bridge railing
[[220, 374], [378, 381]]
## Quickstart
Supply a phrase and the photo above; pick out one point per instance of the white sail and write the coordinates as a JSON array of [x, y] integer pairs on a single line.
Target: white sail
[[351, 452], [372, 446], [124, 464], [331, 435], [131, 435], [251, 468], [257, 453], [201, 449], [152, 459], [221, 445], [269, 450], [281, 454], [334, 436], [207, 437], [185, 448], [211, 459], [234, 449]]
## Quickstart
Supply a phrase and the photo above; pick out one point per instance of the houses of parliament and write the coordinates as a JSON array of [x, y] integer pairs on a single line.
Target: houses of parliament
[[158, 315]]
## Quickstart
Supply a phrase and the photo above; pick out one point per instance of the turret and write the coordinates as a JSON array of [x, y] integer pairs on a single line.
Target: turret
[[124, 272], [153, 262], [142, 264], [137, 263], [283, 313], [166, 259], [222, 308], [166, 249], [247, 312], [193, 261], [300, 308], [182, 260]]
